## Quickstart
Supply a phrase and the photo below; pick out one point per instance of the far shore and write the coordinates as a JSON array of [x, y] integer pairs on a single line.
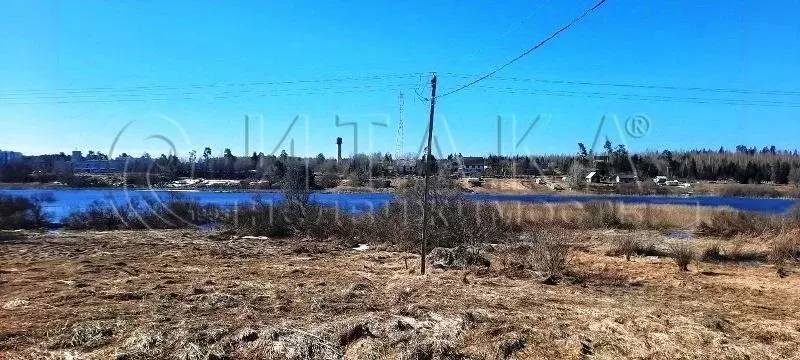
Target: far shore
[[491, 186]]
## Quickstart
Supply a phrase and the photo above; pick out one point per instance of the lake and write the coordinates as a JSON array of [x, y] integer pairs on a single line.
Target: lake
[[68, 200]]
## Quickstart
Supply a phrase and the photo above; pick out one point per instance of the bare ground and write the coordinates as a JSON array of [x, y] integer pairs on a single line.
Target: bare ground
[[182, 294]]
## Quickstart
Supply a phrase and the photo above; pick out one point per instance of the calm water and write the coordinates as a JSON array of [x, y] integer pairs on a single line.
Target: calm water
[[68, 200]]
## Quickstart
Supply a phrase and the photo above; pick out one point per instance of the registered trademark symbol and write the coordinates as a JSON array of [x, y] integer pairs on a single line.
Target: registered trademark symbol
[[637, 126]]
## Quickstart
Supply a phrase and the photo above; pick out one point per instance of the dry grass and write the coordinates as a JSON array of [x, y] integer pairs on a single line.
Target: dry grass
[[181, 294], [574, 215]]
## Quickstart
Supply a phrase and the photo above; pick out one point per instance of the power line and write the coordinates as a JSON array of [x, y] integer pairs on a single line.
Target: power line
[[640, 86], [23, 92], [658, 98], [540, 44], [189, 93], [239, 94]]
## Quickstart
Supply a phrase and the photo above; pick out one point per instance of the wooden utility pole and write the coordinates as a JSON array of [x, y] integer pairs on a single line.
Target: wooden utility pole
[[426, 172]]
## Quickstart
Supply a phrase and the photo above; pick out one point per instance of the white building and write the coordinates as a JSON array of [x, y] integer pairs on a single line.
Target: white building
[[81, 165], [592, 177], [471, 165]]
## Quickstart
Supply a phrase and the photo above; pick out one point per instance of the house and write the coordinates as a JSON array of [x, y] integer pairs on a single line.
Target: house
[[471, 165], [626, 179], [593, 177]]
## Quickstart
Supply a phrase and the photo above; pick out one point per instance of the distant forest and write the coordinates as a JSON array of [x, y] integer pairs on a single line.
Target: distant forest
[[742, 164]]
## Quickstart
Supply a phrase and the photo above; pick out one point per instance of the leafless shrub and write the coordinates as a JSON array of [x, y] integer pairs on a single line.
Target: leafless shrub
[[717, 252], [290, 218], [552, 252], [602, 214], [732, 223], [629, 245], [742, 190], [453, 220], [714, 253], [683, 255], [460, 257], [175, 212], [17, 212], [626, 245], [783, 249]]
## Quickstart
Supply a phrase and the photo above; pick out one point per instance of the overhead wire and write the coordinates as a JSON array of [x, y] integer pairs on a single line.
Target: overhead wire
[[25, 92], [226, 95], [639, 86], [527, 52], [641, 97]]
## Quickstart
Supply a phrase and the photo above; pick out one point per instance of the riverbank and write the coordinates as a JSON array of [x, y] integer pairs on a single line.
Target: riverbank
[[487, 186], [173, 293]]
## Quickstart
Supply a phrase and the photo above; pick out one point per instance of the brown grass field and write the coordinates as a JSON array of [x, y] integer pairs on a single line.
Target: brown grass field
[[189, 295]]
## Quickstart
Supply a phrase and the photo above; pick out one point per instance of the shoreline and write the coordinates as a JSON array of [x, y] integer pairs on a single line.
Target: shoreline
[[479, 191]]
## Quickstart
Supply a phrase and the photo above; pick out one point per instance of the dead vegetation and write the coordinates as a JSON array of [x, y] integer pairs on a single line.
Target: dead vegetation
[[182, 294]]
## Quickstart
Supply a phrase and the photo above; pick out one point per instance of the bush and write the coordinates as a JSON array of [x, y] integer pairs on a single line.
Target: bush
[[794, 215], [783, 249], [683, 255], [642, 188], [552, 252], [329, 180], [742, 190], [602, 214], [298, 182], [732, 223], [17, 212], [460, 257], [453, 221], [629, 245], [714, 253], [626, 245], [290, 218], [176, 212]]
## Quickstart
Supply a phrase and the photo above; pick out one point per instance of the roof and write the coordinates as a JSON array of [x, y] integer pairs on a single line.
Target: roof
[[626, 176], [591, 174]]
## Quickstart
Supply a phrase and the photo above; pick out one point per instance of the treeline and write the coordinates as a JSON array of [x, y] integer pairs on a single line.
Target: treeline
[[743, 164]]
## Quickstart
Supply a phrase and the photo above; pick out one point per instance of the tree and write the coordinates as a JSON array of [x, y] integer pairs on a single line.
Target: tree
[[583, 155], [608, 146], [206, 157], [577, 174], [254, 160], [582, 150], [794, 176], [298, 183]]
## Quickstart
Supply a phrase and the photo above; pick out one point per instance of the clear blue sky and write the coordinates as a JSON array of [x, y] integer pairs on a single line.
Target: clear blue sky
[[165, 49]]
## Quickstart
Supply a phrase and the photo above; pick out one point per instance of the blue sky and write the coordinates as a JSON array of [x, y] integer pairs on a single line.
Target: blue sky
[[73, 74]]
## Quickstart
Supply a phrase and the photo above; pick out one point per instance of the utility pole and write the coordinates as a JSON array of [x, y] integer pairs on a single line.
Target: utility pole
[[426, 172]]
